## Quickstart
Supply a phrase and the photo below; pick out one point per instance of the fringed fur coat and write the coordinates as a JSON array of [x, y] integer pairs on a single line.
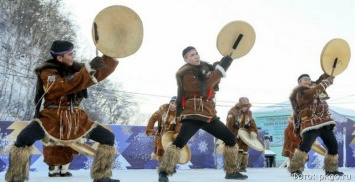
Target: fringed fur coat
[[197, 85], [237, 119], [61, 117], [309, 110]]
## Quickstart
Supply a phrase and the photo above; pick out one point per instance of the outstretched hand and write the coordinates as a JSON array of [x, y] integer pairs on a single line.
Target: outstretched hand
[[330, 79], [97, 63], [225, 62]]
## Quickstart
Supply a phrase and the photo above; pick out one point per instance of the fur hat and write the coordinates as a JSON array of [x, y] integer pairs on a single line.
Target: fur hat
[[60, 47], [243, 102], [301, 77], [186, 50]]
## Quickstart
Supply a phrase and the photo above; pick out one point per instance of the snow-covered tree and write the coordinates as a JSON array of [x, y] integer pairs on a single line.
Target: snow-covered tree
[[27, 30]]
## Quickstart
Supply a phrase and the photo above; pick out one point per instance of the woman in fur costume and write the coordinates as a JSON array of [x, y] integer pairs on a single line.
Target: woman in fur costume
[[291, 141], [240, 116], [58, 158], [195, 107], [165, 116], [312, 119], [62, 84]]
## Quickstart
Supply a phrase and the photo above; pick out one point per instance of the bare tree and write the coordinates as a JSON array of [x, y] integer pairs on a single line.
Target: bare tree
[[109, 105], [28, 27], [27, 30]]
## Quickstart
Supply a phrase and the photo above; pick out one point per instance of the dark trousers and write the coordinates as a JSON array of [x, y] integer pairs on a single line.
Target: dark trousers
[[326, 134], [33, 132], [215, 128]]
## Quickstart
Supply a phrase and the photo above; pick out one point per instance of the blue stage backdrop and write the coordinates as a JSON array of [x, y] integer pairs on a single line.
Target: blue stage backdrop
[[133, 146], [274, 124]]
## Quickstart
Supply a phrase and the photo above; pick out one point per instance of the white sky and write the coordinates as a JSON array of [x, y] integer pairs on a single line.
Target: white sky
[[290, 36]]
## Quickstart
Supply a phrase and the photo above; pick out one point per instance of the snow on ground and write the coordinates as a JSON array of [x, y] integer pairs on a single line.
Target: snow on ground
[[196, 175]]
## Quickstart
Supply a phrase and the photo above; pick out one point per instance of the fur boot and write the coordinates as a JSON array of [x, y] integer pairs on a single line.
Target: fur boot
[[230, 160], [170, 159], [331, 165], [101, 169], [244, 162], [19, 164], [239, 160], [163, 176], [297, 163], [64, 170], [156, 156], [54, 171]]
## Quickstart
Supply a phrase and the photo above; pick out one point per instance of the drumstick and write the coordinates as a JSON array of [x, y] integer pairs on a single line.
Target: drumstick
[[236, 43], [334, 66], [96, 34]]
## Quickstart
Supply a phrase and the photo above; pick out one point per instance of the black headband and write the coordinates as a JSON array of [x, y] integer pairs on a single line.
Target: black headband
[[302, 77], [186, 50]]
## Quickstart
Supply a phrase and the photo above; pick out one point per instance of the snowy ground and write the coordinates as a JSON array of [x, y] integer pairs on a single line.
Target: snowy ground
[[195, 175]]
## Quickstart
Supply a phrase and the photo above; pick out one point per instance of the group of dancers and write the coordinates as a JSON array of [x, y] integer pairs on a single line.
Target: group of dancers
[[62, 84]]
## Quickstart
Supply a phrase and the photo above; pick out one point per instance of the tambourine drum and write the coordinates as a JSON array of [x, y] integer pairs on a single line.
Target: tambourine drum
[[83, 148], [256, 144], [335, 49], [220, 147], [318, 148], [228, 35], [119, 31], [168, 138]]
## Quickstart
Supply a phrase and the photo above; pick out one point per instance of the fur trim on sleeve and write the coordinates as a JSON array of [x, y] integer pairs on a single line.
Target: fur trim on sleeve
[[91, 72], [220, 68], [325, 84]]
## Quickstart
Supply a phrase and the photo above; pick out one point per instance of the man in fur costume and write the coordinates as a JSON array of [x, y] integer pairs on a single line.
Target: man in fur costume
[[291, 140], [240, 116], [62, 84], [165, 116], [312, 119], [195, 109]]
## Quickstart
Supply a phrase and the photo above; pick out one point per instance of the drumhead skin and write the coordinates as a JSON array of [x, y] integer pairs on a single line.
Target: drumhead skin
[[220, 147], [83, 148], [335, 49], [230, 33], [256, 144], [120, 31], [168, 138], [318, 148]]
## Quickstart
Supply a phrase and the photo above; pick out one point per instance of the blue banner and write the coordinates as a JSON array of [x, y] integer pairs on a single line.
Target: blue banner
[[134, 149]]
